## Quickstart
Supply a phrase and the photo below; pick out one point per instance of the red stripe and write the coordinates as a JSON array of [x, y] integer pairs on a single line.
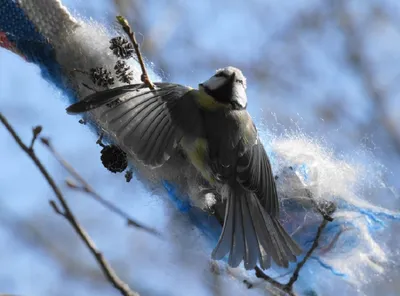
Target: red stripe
[[7, 44]]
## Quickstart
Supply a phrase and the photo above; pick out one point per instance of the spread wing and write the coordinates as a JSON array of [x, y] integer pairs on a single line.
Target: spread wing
[[254, 172], [252, 231], [149, 123], [236, 150]]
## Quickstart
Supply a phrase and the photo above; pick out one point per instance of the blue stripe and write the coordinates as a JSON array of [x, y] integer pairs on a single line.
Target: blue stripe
[[329, 267], [29, 42]]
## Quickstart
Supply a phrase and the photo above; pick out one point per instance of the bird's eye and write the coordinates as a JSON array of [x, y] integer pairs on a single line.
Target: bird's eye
[[239, 81], [220, 74]]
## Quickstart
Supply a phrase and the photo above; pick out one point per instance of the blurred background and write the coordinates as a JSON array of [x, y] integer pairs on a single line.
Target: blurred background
[[328, 68]]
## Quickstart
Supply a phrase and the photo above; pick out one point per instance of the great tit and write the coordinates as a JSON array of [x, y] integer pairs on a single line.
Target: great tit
[[216, 133]]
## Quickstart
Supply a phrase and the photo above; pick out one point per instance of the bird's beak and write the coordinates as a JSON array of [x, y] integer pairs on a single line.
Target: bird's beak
[[201, 86], [232, 78]]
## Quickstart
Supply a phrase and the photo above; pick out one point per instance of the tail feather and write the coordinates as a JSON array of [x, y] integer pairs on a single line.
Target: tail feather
[[252, 252], [238, 240], [265, 259], [263, 230], [282, 259], [257, 250], [291, 244], [252, 235], [225, 240]]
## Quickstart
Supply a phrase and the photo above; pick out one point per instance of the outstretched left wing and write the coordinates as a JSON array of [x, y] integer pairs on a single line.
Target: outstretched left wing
[[254, 172], [107, 96], [149, 123]]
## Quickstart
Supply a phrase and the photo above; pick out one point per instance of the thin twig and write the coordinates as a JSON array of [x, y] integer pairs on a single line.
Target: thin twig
[[128, 30], [260, 274], [289, 286], [323, 212], [85, 187], [56, 209], [88, 87], [109, 273], [35, 131], [100, 140]]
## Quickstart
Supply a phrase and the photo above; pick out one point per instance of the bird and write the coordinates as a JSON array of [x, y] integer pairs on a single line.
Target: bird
[[215, 132]]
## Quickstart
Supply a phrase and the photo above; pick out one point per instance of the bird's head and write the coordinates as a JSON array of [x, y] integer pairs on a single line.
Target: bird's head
[[227, 86]]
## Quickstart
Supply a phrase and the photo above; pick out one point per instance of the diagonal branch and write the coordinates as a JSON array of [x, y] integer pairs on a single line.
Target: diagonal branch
[[289, 286], [66, 212], [326, 211], [260, 274], [128, 30], [85, 187]]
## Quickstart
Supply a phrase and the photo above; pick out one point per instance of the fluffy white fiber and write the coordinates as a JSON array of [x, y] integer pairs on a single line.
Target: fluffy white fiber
[[350, 247]]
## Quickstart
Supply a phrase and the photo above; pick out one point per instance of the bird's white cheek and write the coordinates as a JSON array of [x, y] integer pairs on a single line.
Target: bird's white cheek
[[214, 82], [239, 95]]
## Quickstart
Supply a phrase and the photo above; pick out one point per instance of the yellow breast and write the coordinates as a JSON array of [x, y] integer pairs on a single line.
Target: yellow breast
[[197, 152]]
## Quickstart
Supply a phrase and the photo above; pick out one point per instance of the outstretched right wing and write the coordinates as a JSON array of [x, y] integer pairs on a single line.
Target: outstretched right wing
[[150, 123]]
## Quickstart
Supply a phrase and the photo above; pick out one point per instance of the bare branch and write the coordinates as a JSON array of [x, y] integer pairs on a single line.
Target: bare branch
[[35, 131], [109, 273], [125, 26], [260, 274], [85, 187], [288, 288], [326, 212], [56, 209], [295, 276]]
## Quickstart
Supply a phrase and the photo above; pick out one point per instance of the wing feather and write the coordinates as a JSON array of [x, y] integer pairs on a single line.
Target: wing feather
[[254, 173], [147, 123]]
